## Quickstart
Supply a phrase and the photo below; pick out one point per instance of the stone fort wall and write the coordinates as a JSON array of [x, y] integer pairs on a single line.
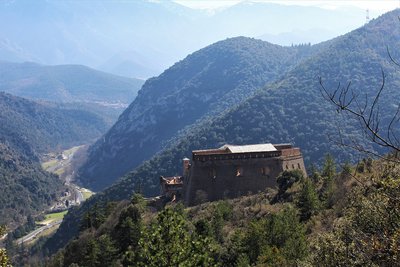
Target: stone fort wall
[[218, 176]]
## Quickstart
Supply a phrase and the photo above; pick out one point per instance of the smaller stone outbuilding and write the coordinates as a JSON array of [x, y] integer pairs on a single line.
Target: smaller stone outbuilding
[[171, 187]]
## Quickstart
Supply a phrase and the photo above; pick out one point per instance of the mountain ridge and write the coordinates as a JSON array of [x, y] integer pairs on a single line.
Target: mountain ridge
[[96, 33], [66, 83], [203, 84]]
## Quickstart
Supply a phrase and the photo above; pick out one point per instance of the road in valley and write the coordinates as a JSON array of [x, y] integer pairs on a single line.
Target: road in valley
[[62, 164], [36, 232]]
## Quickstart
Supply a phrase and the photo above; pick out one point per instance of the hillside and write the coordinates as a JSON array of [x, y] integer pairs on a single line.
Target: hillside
[[291, 109], [45, 127], [204, 84], [26, 189], [66, 83], [328, 219], [29, 129]]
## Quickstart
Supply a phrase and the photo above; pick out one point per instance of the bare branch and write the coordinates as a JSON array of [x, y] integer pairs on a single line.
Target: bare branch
[[369, 123]]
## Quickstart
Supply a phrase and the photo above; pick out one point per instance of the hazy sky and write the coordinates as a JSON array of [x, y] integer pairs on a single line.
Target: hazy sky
[[376, 7]]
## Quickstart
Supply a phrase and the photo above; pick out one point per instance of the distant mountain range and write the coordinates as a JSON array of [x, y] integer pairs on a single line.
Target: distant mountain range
[[142, 38], [66, 84]]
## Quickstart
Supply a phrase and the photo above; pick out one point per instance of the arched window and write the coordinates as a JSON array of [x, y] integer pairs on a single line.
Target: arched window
[[212, 173], [238, 171], [265, 171]]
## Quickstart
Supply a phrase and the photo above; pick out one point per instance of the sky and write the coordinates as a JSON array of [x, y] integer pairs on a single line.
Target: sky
[[376, 7]]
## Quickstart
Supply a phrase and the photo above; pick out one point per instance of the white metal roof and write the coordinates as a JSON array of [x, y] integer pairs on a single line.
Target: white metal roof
[[250, 148]]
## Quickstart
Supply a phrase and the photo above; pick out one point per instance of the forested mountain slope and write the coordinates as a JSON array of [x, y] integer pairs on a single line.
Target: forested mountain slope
[[26, 188], [290, 110], [27, 130], [45, 127], [66, 83], [205, 83]]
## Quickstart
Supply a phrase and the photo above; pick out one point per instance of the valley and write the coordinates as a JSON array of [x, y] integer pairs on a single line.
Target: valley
[[64, 164], [234, 151], [60, 163]]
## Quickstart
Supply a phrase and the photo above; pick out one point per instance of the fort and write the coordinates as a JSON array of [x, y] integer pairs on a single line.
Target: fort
[[231, 171]]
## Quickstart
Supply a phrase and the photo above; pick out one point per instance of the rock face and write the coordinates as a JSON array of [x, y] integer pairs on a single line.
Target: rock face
[[204, 84]]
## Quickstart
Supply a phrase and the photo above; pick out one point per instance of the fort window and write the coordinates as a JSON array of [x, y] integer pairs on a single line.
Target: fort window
[[287, 167], [264, 171], [293, 166], [212, 173], [238, 171], [298, 165]]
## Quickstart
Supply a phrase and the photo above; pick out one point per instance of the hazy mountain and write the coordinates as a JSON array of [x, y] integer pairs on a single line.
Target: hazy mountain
[[90, 32], [205, 83], [66, 83], [294, 37], [150, 35]]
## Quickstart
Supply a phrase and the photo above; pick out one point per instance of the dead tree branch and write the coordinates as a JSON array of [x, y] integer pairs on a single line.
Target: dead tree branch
[[369, 115]]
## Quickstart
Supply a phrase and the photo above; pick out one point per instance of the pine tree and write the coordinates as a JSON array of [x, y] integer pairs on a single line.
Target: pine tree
[[328, 189], [329, 168], [92, 254], [168, 242], [108, 251], [308, 201], [128, 229]]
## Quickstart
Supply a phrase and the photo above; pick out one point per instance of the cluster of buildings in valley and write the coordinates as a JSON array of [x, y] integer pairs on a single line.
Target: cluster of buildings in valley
[[231, 171]]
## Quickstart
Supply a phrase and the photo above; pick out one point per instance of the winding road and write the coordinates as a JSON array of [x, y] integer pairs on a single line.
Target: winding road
[[36, 232]]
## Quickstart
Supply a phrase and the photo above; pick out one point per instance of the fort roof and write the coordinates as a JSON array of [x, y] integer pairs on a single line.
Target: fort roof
[[233, 149]]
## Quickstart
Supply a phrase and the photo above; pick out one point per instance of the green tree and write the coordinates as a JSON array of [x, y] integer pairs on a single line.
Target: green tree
[[128, 229], [242, 261], [329, 186], [369, 232], [329, 167], [281, 235], [287, 178], [108, 251], [285, 181], [4, 260], [92, 253], [168, 242], [315, 176], [129, 258], [203, 228], [345, 174], [308, 201]]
